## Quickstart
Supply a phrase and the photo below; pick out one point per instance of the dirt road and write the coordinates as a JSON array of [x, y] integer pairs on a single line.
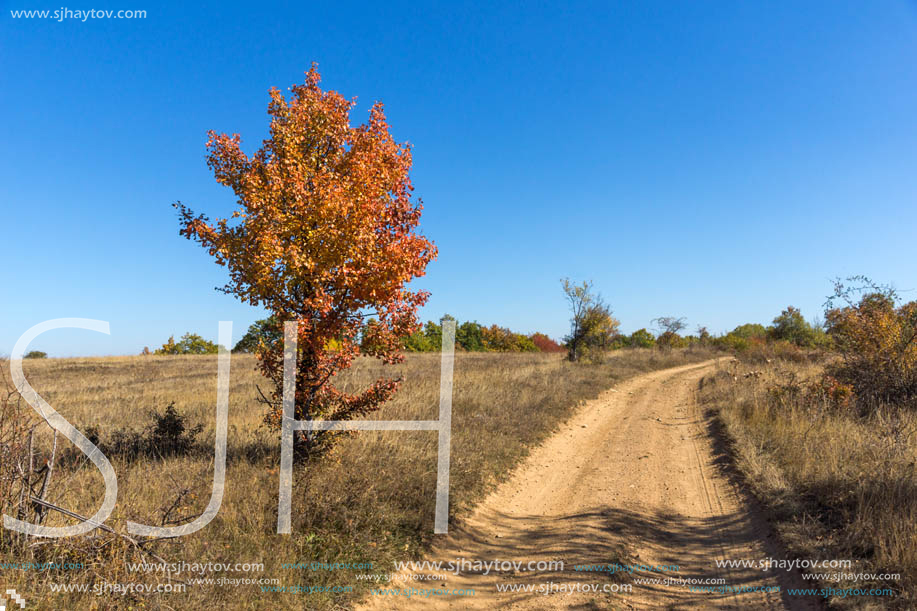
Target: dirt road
[[633, 478]]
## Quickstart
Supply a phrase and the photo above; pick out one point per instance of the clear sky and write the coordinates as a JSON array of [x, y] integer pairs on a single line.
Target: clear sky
[[713, 160]]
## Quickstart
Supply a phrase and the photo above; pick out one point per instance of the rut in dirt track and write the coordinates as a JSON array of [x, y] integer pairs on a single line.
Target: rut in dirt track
[[631, 478]]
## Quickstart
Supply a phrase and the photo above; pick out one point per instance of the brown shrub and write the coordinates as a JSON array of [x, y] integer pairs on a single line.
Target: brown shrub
[[878, 346], [839, 484]]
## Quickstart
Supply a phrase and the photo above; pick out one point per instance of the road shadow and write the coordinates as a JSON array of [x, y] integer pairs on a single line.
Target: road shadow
[[610, 536]]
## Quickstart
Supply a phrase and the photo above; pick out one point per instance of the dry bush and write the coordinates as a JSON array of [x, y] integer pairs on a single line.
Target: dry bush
[[759, 350], [36, 482], [839, 485], [16, 426]]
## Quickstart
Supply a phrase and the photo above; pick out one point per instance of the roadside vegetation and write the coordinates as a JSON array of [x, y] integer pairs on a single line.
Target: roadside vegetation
[[826, 438]]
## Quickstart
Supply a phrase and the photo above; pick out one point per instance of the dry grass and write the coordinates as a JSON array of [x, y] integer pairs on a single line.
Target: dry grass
[[370, 500], [839, 486]]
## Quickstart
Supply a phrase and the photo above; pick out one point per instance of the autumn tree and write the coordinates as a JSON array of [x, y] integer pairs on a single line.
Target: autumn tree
[[876, 336], [545, 343], [790, 326], [325, 234], [500, 339], [592, 327]]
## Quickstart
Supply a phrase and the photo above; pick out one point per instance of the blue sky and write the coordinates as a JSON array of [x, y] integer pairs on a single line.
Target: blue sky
[[717, 161]]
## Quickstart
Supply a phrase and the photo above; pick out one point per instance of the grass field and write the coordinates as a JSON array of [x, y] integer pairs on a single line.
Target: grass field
[[839, 486], [370, 500]]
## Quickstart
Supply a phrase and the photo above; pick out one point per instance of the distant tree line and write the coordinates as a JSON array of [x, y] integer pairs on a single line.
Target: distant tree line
[[594, 331], [788, 328], [470, 336]]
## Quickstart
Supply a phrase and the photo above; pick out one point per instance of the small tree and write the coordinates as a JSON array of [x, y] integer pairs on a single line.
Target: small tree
[[35, 354], [264, 332], [669, 328], [470, 337], [580, 298], [592, 327], [434, 335], [170, 433], [325, 235], [670, 324], [790, 326], [417, 342], [168, 348], [703, 335]]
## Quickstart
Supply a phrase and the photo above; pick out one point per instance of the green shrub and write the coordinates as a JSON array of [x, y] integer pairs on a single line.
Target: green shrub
[[749, 330], [263, 332], [641, 338], [730, 341], [167, 435], [417, 342], [790, 326], [470, 337], [434, 335]]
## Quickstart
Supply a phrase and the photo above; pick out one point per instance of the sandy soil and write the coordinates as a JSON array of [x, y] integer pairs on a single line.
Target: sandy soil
[[635, 477]]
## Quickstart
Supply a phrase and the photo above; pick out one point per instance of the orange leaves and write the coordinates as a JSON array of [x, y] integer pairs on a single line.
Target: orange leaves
[[325, 233]]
